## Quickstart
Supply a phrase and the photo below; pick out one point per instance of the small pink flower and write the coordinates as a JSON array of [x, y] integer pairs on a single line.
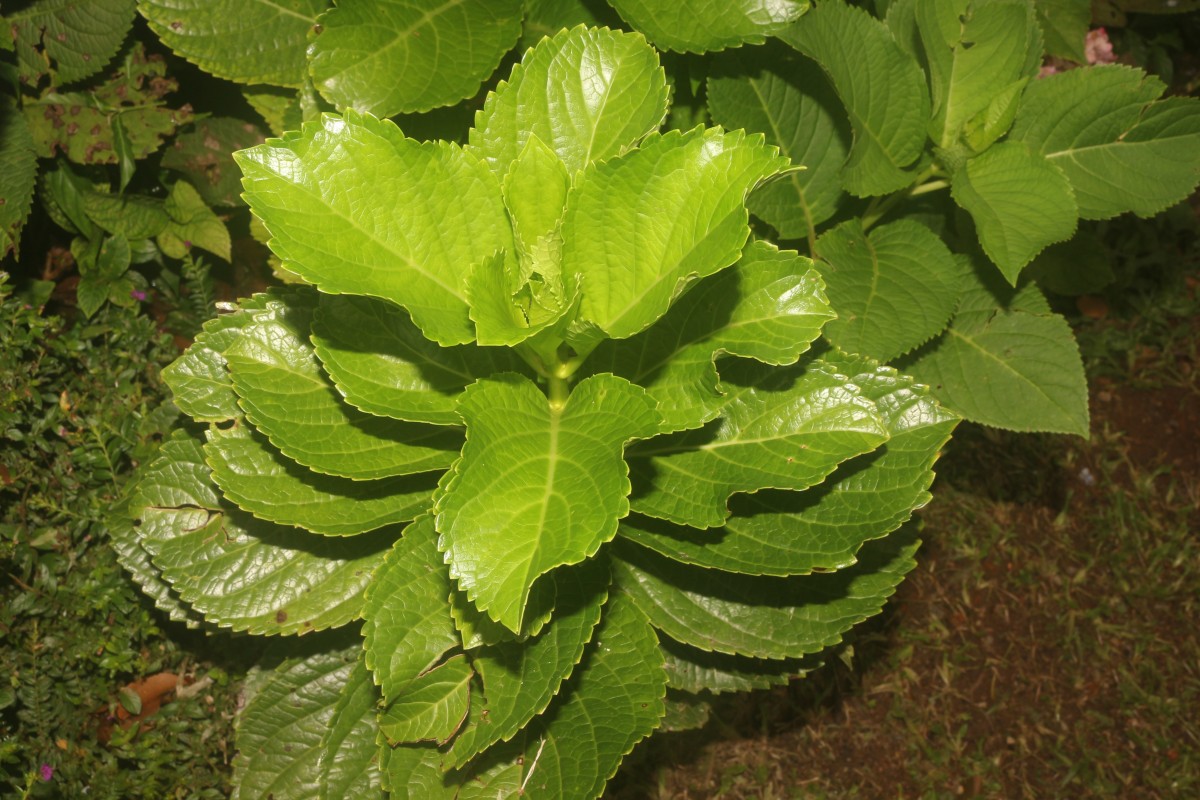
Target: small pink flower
[[47, 772], [187, 243], [1098, 48], [137, 294]]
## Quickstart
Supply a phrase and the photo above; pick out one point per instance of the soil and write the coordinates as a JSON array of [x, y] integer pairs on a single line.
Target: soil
[[1005, 665]]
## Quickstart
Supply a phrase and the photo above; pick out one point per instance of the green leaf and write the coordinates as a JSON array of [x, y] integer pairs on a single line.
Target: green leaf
[[770, 306], [1065, 25], [520, 678], [123, 537], [72, 39], [18, 173], [131, 215], [685, 712], [237, 571], [356, 208], [690, 669], [791, 102], [284, 393], [614, 700], [407, 624], [509, 308], [126, 111], [259, 479], [708, 25], [1009, 366], [821, 529], [640, 228], [973, 51], [387, 57], [590, 94], [247, 41], [893, 289], [535, 193], [1020, 203], [192, 224], [881, 86], [282, 730], [203, 154], [1120, 149], [198, 379], [382, 364], [279, 107], [1081, 265], [538, 485], [757, 616], [348, 764], [100, 276], [433, 706], [781, 428], [544, 18]]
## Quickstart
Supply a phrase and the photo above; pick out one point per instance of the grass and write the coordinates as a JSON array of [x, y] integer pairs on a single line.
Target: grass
[[1046, 646]]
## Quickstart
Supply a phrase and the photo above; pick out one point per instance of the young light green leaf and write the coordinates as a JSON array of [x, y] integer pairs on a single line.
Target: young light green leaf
[[590, 94], [1065, 25], [770, 306], [756, 616], [388, 57], [247, 41], [1020, 203], [790, 101], [614, 700], [535, 192], [520, 678], [881, 86], [407, 624], [72, 40], [192, 224], [640, 228], [780, 428], [973, 51], [432, 707], [893, 289], [279, 108], [795, 533], [356, 208], [285, 394], [1120, 149], [691, 669], [261, 480], [18, 173], [348, 763], [509, 308], [237, 571], [538, 486], [198, 379], [281, 733], [382, 364], [708, 25]]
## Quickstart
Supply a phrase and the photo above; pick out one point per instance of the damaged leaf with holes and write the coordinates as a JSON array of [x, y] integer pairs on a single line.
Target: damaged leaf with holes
[[543, 434]]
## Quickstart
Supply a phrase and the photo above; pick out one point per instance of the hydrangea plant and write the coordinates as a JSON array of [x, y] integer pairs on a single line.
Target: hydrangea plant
[[547, 445]]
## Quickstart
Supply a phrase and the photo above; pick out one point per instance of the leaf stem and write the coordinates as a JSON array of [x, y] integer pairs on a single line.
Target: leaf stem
[[879, 207]]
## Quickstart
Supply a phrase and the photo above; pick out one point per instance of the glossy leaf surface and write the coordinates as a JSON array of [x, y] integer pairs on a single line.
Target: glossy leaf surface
[[710, 24], [779, 429], [387, 57], [247, 41], [638, 229], [537, 486], [762, 617], [409, 220]]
